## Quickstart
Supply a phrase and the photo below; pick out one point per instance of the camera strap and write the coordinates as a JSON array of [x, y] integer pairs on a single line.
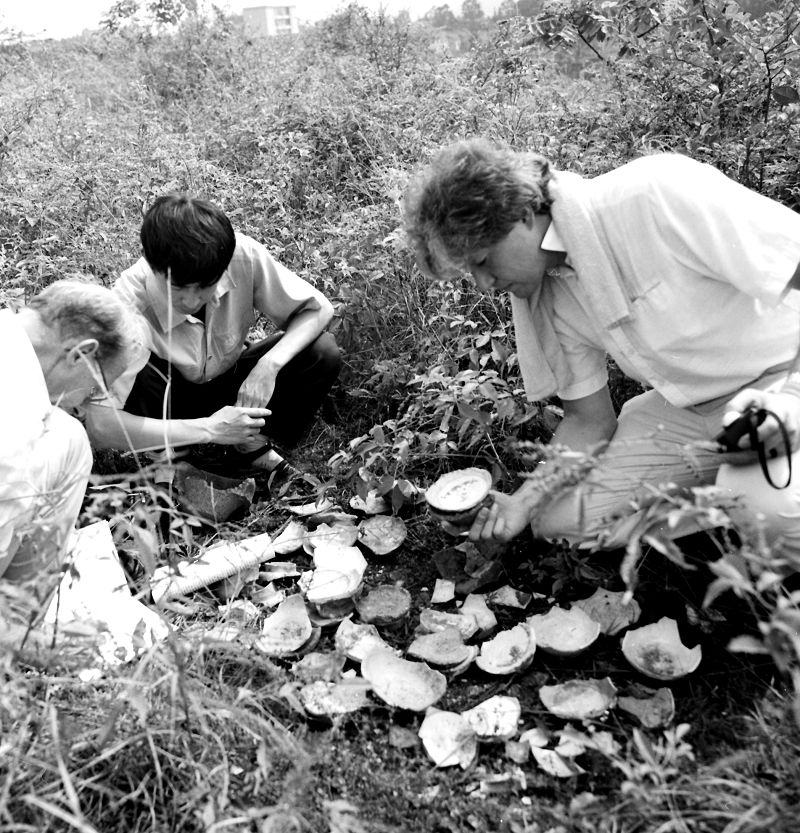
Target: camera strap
[[758, 445]]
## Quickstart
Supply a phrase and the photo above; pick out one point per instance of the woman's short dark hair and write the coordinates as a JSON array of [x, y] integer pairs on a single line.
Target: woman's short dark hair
[[469, 198], [189, 238]]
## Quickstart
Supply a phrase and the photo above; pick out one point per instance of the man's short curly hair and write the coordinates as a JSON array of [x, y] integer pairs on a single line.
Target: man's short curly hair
[[468, 198], [76, 309]]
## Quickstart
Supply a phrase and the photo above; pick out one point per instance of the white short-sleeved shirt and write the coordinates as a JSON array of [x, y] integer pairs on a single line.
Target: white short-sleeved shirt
[[711, 260], [202, 350], [25, 410]]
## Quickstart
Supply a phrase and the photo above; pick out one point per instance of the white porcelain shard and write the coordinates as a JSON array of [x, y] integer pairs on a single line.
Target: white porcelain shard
[[579, 699], [385, 605], [475, 605], [382, 534], [511, 650], [564, 632], [371, 504], [431, 621], [403, 683], [287, 630], [657, 709], [336, 534], [611, 610], [329, 699], [553, 764], [444, 591], [496, 718], [356, 641], [444, 649], [657, 651], [448, 739], [457, 496]]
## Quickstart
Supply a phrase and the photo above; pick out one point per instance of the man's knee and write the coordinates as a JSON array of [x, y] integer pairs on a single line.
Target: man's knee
[[776, 511], [326, 358]]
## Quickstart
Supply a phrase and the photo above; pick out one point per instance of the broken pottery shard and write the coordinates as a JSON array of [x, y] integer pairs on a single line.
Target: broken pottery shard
[[339, 533], [338, 557], [538, 736], [308, 510], [431, 621], [610, 610], [287, 629], [290, 538], [564, 632], [356, 641], [371, 504], [475, 605], [443, 649], [511, 650], [385, 605], [328, 699], [579, 699], [402, 683], [332, 586], [443, 591], [496, 718], [319, 666], [657, 651], [509, 597], [211, 497], [382, 534], [553, 764], [457, 496], [652, 712], [217, 562], [269, 596], [448, 739]]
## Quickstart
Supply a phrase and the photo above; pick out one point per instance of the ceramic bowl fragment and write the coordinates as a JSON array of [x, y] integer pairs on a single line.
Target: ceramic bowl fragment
[[564, 632], [317, 665], [658, 709], [402, 683], [448, 739], [431, 621], [382, 534], [511, 650], [579, 699], [475, 605], [328, 586], [338, 533], [444, 591], [496, 718], [657, 651], [355, 641], [290, 538], [611, 610], [386, 605], [507, 596], [457, 496], [329, 699], [338, 557], [371, 504], [315, 507], [287, 630], [443, 649], [553, 764], [211, 497]]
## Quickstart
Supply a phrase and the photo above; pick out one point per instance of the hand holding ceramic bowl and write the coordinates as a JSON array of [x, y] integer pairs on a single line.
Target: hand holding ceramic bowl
[[456, 498]]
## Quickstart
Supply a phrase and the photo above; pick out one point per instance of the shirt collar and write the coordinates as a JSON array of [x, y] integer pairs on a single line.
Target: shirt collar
[[156, 289], [552, 240]]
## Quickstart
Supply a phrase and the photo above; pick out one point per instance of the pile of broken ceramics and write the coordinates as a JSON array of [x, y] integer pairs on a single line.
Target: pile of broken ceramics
[[370, 659]]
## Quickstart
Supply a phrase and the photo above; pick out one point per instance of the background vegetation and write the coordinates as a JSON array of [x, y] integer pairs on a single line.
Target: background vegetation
[[307, 143]]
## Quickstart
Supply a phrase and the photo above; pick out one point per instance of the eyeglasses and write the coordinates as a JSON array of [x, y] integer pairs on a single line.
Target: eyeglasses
[[100, 392]]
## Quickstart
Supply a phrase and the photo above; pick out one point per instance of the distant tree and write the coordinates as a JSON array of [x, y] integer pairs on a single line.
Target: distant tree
[[440, 16], [508, 8], [471, 12]]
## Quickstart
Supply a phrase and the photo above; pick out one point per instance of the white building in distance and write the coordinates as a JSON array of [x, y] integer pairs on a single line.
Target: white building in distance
[[264, 21]]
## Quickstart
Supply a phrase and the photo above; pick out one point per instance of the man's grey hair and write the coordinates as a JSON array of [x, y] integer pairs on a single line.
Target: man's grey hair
[[76, 309]]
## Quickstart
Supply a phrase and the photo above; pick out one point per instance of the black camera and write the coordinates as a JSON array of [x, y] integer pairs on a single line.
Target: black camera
[[744, 425]]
